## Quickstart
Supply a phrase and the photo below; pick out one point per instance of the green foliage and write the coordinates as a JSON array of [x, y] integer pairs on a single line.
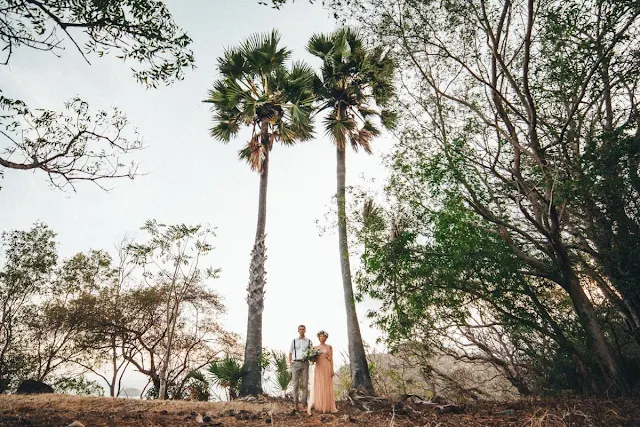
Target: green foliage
[[513, 197], [198, 386], [227, 373], [283, 374], [352, 76], [28, 262], [257, 90], [84, 312], [79, 386], [74, 145], [141, 31]]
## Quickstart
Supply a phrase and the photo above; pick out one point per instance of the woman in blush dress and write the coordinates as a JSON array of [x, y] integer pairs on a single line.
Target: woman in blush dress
[[323, 397]]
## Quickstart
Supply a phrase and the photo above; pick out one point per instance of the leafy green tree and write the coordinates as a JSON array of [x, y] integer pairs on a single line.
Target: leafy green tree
[[258, 91], [77, 385], [507, 97], [29, 260], [171, 260], [76, 145], [354, 83], [450, 289]]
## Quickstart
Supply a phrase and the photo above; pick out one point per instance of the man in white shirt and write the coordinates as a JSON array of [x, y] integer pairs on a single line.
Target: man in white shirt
[[299, 366]]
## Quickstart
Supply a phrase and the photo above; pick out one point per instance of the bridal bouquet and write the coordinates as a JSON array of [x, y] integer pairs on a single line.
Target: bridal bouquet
[[311, 354]]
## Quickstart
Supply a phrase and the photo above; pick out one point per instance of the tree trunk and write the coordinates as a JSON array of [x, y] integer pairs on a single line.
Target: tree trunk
[[588, 382], [360, 378], [586, 313], [155, 379], [172, 317], [114, 367], [252, 381]]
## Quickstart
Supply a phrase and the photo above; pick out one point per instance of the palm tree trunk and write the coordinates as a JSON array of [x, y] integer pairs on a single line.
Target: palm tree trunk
[[252, 381], [360, 378]]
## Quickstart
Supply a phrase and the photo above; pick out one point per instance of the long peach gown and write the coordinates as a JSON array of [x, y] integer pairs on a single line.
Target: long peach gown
[[323, 397]]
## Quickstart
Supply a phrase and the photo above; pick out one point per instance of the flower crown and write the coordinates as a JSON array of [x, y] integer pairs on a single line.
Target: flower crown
[[323, 332]]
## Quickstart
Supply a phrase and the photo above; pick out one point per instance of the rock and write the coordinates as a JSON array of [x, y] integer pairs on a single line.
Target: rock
[[228, 413], [33, 387], [349, 418], [267, 420], [400, 409], [164, 412], [199, 418], [450, 408], [76, 424], [324, 419], [206, 419], [243, 415]]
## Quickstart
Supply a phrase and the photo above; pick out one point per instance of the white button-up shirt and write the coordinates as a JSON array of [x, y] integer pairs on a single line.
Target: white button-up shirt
[[298, 346]]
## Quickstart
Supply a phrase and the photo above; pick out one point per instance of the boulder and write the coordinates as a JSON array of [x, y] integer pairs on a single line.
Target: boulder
[[33, 387]]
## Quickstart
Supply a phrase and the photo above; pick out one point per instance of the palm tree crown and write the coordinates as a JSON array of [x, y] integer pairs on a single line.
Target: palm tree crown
[[257, 89], [351, 76]]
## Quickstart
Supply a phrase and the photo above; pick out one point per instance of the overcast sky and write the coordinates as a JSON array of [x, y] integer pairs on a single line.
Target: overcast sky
[[194, 179]]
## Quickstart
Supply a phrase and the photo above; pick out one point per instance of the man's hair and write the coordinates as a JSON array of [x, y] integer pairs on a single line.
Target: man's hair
[[302, 326]]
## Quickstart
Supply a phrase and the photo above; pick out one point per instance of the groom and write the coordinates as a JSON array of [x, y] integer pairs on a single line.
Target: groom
[[299, 366]]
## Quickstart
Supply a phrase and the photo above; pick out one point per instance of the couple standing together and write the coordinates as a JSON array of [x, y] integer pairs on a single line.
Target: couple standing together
[[323, 399]]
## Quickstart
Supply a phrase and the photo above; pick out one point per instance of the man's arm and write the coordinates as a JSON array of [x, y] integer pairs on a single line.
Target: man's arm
[[291, 351]]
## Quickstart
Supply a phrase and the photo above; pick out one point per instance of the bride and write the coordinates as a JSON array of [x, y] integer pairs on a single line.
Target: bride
[[323, 399]]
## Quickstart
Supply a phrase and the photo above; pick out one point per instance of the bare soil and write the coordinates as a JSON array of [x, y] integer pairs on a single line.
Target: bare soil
[[61, 410]]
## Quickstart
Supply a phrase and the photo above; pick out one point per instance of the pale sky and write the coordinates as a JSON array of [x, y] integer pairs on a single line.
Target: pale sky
[[193, 179]]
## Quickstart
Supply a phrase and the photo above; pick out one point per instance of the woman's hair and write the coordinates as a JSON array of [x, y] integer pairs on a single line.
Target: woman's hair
[[323, 332]]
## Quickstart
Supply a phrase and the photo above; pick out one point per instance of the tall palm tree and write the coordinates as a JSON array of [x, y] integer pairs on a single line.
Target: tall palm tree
[[258, 91], [354, 86]]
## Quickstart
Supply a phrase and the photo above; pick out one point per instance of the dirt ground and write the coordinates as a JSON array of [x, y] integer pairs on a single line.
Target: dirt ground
[[60, 410]]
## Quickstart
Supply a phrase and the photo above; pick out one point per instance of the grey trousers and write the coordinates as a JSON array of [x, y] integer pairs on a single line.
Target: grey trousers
[[300, 370]]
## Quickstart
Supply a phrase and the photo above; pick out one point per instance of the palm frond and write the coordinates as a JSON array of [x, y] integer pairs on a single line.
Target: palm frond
[[354, 39], [227, 372], [353, 77], [279, 360], [320, 45], [283, 375], [253, 153], [299, 83], [299, 116], [232, 64], [371, 128], [225, 127], [283, 379], [197, 375], [362, 138], [263, 54], [367, 111], [339, 129]]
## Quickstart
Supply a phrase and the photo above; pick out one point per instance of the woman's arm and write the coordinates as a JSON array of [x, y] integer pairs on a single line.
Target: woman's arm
[[331, 359]]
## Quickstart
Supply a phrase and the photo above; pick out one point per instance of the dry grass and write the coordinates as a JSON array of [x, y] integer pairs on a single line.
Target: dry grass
[[61, 410]]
